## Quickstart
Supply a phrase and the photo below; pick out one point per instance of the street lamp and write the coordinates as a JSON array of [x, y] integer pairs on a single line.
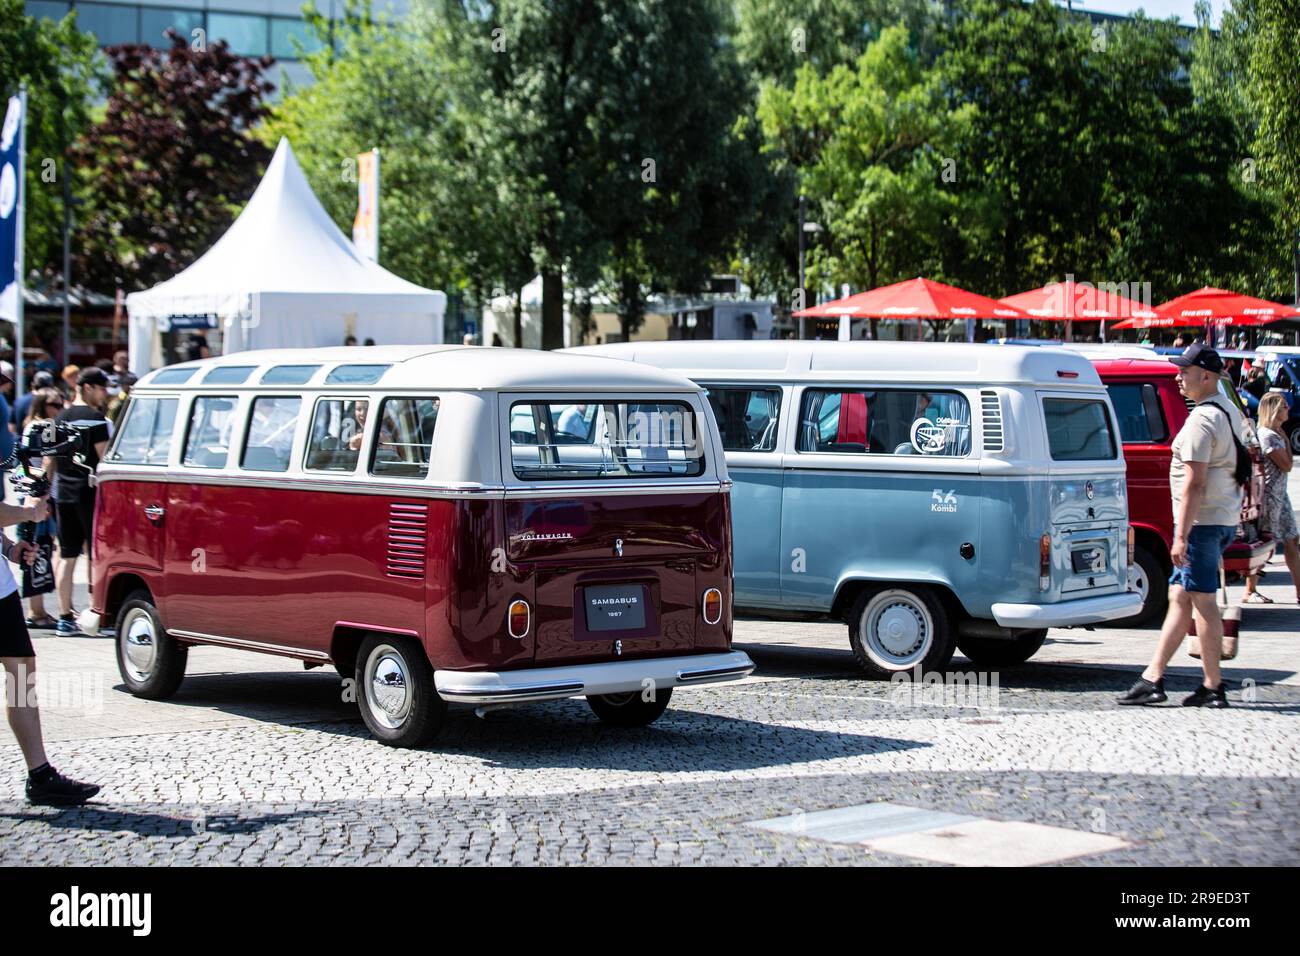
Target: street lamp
[[809, 227]]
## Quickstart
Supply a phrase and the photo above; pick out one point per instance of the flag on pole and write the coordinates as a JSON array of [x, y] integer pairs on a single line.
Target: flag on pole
[[11, 209], [365, 228]]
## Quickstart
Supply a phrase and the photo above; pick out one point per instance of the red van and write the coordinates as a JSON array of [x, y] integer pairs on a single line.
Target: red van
[[1150, 410], [442, 524]]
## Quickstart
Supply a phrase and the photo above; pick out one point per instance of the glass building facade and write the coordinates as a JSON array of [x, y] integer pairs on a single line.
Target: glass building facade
[[252, 27]]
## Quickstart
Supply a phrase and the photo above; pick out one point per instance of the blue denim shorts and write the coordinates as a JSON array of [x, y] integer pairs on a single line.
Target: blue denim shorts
[[1205, 547]]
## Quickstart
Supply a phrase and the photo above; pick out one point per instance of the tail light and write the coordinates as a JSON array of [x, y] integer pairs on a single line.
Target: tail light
[[712, 606], [519, 618], [1131, 545], [1044, 562]]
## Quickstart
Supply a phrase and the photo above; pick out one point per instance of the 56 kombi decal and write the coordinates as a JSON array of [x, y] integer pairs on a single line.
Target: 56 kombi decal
[[941, 500]]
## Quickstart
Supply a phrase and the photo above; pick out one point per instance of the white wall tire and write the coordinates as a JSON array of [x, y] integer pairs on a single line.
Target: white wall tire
[[396, 694], [898, 627], [150, 661]]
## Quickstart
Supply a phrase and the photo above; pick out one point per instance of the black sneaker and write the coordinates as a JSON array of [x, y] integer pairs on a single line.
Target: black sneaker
[[1145, 692], [1207, 697], [56, 790]]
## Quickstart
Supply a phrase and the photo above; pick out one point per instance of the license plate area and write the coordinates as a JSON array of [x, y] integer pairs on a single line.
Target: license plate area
[[615, 608], [1090, 560]]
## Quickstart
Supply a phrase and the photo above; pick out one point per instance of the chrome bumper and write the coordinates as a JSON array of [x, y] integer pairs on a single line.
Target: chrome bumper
[[614, 677], [1092, 610]]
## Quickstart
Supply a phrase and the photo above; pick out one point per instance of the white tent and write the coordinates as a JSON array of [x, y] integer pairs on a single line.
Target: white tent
[[284, 275]]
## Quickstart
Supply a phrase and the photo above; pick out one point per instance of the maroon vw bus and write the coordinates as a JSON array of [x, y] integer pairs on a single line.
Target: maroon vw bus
[[442, 524]]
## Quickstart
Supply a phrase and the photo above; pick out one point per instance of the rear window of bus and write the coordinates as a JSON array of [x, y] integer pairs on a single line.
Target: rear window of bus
[[591, 439], [1078, 429]]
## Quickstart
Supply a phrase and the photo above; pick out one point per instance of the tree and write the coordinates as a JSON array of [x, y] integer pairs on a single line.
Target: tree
[[448, 202], [775, 38], [688, 174], [1182, 209], [171, 162], [58, 65], [869, 143], [1274, 26]]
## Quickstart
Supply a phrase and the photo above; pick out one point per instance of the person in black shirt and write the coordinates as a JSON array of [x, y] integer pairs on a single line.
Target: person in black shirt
[[74, 491]]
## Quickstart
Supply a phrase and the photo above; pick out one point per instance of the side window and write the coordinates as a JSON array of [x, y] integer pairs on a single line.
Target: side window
[[271, 424], [885, 422], [337, 429], [207, 440], [404, 437], [146, 437], [1140, 417], [747, 417]]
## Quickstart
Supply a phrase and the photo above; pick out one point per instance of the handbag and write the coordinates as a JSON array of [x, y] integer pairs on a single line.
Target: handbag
[[1231, 614], [38, 577]]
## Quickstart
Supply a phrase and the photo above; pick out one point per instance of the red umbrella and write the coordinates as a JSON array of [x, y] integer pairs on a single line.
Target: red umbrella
[[1078, 300], [915, 299], [1217, 306]]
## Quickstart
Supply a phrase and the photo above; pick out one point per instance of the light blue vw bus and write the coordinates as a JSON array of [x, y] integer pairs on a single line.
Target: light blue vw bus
[[932, 496]]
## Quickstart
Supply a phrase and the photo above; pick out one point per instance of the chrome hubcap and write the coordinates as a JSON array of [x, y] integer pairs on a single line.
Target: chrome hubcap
[[139, 645], [898, 630], [388, 686]]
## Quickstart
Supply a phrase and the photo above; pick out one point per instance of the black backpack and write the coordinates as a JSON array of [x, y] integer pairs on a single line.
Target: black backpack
[[1244, 464]]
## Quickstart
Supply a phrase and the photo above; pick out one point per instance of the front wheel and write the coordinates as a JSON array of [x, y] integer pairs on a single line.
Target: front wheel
[[151, 662], [398, 700], [893, 629], [993, 652], [630, 709]]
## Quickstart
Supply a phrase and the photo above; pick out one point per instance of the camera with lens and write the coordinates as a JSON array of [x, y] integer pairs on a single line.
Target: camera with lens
[[56, 439]]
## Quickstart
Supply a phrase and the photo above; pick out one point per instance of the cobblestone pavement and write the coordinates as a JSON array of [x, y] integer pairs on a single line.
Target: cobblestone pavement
[[256, 762]]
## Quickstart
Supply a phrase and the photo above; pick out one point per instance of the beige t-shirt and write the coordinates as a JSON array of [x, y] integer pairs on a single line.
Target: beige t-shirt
[[1207, 436]]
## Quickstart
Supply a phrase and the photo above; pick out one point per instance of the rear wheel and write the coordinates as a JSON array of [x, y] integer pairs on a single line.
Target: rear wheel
[[1148, 577], [895, 628], [151, 662], [398, 700], [995, 652], [629, 709]]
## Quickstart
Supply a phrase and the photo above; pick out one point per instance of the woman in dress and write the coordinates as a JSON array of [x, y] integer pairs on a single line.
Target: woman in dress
[[1276, 516]]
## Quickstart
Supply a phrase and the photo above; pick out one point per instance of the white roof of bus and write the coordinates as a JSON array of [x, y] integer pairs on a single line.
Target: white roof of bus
[[957, 363], [447, 367]]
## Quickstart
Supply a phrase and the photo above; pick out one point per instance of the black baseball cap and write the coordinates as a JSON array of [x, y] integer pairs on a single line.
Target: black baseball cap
[[93, 376], [1200, 355], [42, 379]]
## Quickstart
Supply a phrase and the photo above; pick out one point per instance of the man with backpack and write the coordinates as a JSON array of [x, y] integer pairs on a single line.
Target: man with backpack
[[1209, 468]]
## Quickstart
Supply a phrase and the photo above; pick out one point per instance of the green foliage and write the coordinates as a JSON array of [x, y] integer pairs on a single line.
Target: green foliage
[[776, 38], [61, 69], [869, 142], [446, 198], [171, 162], [1273, 90]]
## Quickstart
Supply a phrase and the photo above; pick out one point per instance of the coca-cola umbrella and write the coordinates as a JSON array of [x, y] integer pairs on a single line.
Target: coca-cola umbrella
[[915, 299], [1070, 300], [1209, 306]]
